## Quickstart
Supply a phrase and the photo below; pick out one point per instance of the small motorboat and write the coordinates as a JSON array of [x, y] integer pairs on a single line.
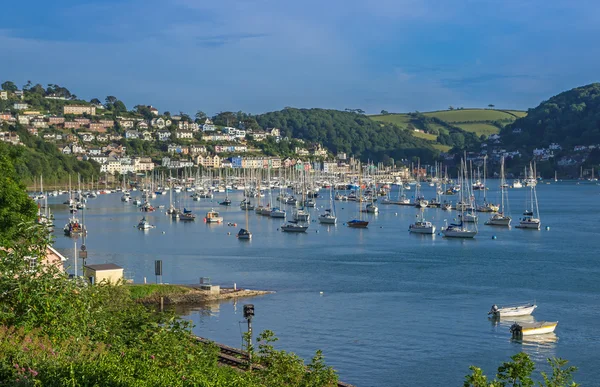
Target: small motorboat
[[512, 310], [144, 224], [212, 216], [226, 202], [422, 227], [355, 223], [294, 227], [519, 330]]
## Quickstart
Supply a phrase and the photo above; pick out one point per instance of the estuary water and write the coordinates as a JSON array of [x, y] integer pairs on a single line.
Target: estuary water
[[396, 309]]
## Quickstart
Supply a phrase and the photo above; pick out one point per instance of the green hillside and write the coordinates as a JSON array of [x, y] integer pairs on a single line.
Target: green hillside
[[470, 115], [349, 132], [569, 118], [444, 128]]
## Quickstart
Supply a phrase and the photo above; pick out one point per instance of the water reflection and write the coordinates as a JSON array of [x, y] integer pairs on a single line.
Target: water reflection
[[208, 309], [538, 347], [508, 321]]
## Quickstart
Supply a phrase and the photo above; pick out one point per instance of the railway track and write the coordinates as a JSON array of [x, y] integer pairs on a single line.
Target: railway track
[[237, 358]]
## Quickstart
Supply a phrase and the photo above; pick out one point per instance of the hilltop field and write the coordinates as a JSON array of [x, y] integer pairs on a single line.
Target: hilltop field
[[431, 124]]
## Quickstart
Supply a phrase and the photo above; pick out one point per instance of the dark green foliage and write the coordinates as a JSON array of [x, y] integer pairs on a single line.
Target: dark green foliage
[[57, 332], [518, 373], [39, 158], [569, 118], [9, 86], [15, 206], [348, 132]]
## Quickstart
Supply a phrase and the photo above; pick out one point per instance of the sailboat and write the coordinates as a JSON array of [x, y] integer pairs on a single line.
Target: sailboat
[[358, 223], [461, 230], [531, 216], [300, 214], [328, 217], [501, 218], [486, 206], [244, 234]]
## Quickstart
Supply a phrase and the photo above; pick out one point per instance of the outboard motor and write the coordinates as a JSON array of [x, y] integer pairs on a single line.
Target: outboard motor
[[494, 310], [517, 331]]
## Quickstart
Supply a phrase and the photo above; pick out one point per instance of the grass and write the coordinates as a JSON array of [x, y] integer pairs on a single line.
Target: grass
[[441, 147], [462, 115], [425, 136], [518, 113], [475, 117], [138, 292], [479, 128]]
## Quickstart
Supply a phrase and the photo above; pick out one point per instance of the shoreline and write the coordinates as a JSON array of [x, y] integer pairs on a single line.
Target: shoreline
[[192, 294]]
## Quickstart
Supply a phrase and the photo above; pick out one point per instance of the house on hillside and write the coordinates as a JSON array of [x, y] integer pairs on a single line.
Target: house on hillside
[[163, 135], [132, 134]]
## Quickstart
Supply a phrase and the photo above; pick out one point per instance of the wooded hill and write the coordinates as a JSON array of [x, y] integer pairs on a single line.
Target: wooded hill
[[569, 118], [353, 133]]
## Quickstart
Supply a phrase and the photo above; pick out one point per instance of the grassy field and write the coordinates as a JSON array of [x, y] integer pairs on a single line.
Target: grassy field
[[147, 290], [518, 113], [475, 118], [479, 128], [462, 115], [400, 119], [426, 136]]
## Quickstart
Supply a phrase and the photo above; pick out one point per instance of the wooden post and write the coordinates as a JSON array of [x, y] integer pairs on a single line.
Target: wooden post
[[162, 304]]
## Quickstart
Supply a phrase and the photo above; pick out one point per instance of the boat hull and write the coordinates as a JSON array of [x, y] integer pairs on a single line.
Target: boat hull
[[459, 234], [422, 230], [530, 329], [327, 220], [516, 311], [529, 225], [497, 221]]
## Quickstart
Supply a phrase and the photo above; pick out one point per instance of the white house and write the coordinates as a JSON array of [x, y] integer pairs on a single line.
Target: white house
[[132, 134], [66, 150], [127, 124], [20, 106], [208, 127], [163, 135], [87, 137], [184, 134]]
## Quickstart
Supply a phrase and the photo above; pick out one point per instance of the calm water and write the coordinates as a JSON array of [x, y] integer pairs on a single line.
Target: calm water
[[421, 301]]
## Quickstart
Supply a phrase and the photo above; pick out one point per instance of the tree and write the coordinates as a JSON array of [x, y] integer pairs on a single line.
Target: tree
[[200, 117], [517, 373], [95, 101], [384, 112], [9, 86], [27, 86], [15, 206], [450, 107], [491, 106], [144, 111], [119, 107]]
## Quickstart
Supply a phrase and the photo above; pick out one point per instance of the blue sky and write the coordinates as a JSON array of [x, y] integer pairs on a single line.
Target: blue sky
[[263, 55]]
